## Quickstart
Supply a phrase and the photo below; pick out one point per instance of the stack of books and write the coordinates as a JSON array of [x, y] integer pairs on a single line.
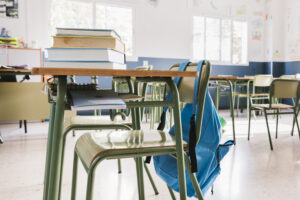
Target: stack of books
[[86, 48]]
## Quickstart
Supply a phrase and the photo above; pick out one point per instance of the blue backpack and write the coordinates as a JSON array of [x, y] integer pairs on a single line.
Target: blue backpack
[[206, 155]]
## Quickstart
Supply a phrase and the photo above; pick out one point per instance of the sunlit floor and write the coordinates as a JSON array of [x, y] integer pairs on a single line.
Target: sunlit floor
[[250, 170]]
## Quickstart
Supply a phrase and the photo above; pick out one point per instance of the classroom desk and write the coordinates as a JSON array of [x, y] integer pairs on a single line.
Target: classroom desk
[[230, 80], [13, 72], [54, 143]]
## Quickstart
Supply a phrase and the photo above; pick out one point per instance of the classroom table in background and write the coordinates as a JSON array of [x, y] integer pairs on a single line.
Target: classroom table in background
[[13, 72]]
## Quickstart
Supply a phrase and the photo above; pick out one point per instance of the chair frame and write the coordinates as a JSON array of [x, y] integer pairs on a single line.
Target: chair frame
[[277, 113], [253, 93], [139, 153]]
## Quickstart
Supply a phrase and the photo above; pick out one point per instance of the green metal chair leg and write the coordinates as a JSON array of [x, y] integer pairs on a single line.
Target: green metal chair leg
[[249, 123], [294, 120], [150, 179], [119, 166], [193, 178], [269, 134], [232, 110], [179, 144], [237, 106], [1, 139], [217, 98], [171, 193], [90, 184], [74, 177], [297, 125], [277, 114], [140, 178]]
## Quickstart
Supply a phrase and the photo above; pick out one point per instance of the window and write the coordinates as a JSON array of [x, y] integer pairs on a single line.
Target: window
[[220, 40], [83, 14]]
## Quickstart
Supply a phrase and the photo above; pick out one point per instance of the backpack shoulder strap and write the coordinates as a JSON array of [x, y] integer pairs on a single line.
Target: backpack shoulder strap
[[192, 133]]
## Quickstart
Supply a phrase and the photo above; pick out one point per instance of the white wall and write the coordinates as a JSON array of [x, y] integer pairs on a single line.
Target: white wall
[[163, 28], [291, 28]]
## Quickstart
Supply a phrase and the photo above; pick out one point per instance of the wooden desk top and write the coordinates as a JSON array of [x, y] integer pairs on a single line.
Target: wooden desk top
[[111, 72]]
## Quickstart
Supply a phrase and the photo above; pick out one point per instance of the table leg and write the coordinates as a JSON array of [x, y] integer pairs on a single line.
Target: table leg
[[178, 136], [1, 139], [232, 109], [49, 149], [53, 190], [248, 99]]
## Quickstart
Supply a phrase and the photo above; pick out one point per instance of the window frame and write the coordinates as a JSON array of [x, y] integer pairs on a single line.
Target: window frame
[[220, 18], [118, 4]]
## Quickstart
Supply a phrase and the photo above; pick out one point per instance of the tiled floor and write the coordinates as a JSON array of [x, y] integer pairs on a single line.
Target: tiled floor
[[250, 170]]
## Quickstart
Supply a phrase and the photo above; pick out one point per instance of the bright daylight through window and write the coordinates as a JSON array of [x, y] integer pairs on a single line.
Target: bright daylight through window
[[220, 40], [82, 14]]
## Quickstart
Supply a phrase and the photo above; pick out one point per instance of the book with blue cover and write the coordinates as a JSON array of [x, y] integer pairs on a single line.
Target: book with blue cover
[[95, 99]]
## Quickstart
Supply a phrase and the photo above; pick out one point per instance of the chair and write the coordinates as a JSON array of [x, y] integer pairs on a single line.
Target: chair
[[93, 148], [74, 122], [287, 76], [281, 89], [259, 83]]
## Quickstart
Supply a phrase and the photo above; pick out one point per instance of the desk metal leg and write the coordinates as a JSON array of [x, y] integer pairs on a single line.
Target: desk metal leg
[[178, 136], [53, 190], [232, 109], [49, 149]]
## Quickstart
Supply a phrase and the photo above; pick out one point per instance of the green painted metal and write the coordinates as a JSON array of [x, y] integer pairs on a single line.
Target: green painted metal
[[249, 122], [119, 166], [150, 179], [53, 192], [232, 109], [277, 114], [171, 193], [1, 139], [178, 134], [269, 134], [49, 150], [74, 176], [193, 178], [140, 178]]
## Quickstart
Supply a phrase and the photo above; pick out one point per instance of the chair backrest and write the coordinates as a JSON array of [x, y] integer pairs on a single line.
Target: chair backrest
[[262, 80], [186, 87], [287, 76], [284, 88], [186, 90]]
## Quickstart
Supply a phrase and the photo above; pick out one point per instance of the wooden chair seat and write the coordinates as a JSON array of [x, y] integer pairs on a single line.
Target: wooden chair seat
[[273, 106], [91, 145]]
